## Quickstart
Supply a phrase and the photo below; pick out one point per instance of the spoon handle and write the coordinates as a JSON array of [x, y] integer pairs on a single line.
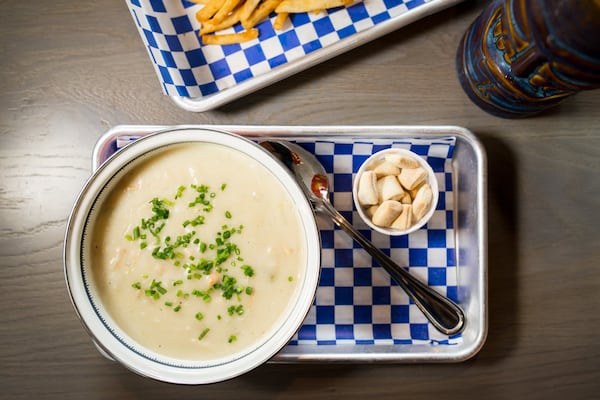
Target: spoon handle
[[443, 313]]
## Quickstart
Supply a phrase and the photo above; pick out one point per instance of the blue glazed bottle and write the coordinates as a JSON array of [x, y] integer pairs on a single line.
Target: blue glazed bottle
[[520, 57]]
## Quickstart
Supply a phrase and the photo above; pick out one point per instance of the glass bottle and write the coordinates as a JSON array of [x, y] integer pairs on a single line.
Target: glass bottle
[[520, 57]]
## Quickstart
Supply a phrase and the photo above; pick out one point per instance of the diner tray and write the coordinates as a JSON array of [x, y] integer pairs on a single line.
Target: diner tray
[[359, 314], [202, 77]]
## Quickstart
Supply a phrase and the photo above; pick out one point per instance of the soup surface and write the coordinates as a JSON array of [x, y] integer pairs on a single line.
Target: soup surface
[[197, 251]]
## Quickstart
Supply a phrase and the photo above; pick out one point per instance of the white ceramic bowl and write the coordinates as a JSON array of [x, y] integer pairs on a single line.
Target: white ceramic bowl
[[369, 164], [117, 344]]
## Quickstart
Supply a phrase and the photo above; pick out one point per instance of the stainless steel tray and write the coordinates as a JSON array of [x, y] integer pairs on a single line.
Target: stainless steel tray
[[199, 77], [464, 172]]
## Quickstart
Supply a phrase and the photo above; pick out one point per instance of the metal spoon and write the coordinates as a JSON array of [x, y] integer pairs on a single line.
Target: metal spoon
[[444, 314]]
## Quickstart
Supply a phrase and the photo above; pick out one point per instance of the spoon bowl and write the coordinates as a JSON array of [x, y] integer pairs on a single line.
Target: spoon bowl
[[445, 315]]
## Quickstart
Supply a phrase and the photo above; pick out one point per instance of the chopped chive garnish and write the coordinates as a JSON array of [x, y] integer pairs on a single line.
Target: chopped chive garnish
[[161, 290], [152, 293], [205, 258], [203, 333], [227, 285], [180, 190], [248, 271], [205, 295], [199, 220], [155, 290], [239, 310], [232, 339]]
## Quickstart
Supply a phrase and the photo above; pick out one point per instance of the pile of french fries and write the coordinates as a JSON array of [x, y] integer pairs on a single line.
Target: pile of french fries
[[218, 15]]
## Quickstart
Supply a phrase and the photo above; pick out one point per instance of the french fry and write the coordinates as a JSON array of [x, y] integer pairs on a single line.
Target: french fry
[[280, 21], [230, 38], [261, 12], [298, 6], [218, 15], [225, 10], [248, 7], [210, 26], [209, 10]]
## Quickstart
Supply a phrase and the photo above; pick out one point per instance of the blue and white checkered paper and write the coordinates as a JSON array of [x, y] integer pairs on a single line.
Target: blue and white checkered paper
[[187, 68], [356, 301]]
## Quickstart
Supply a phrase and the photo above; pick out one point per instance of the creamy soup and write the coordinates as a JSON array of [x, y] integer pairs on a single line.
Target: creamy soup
[[197, 251]]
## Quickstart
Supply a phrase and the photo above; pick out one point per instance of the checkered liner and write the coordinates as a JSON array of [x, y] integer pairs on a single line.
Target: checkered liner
[[356, 301], [187, 68]]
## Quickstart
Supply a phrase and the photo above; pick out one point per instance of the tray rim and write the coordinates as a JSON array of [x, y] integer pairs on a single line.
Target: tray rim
[[443, 354], [305, 131], [215, 100]]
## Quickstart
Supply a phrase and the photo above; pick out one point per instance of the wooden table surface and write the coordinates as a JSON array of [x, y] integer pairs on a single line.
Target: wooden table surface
[[70, 70]]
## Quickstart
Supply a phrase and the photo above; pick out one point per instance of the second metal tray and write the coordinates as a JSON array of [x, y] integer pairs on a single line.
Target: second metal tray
[[200, 77], [359, 315]]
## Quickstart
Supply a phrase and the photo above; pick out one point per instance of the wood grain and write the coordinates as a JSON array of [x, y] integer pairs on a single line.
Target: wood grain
[[70, 70]]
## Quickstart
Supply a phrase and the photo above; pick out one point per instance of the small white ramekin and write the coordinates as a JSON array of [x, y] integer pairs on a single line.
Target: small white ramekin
[[370, 164]]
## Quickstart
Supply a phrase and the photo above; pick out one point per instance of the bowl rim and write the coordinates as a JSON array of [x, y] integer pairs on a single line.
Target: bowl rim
[[151, 364], [431, 179]]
